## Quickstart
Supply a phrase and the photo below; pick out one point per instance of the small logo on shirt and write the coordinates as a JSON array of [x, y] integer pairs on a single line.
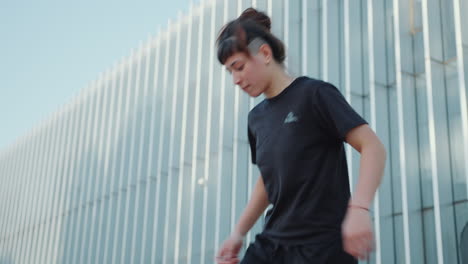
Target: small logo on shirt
[[290, 118]]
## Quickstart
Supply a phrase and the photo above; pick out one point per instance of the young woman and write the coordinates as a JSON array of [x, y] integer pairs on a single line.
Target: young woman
[[297, 137]]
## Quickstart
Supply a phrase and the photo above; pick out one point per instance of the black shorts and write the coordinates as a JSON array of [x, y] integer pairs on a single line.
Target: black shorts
[[266, 251]]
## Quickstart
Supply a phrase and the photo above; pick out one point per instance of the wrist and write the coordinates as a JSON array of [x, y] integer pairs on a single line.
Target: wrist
[[360, 201], [359, 207], [237, 235]]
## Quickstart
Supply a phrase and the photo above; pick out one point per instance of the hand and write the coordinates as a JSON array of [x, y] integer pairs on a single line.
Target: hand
[[229, 251], [358, 239]]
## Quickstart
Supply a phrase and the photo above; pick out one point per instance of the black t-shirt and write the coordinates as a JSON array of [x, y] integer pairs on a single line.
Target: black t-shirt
[[297, 141]]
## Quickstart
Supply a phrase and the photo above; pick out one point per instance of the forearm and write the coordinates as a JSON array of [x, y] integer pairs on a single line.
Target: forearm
[[254, 209], [372, 166]]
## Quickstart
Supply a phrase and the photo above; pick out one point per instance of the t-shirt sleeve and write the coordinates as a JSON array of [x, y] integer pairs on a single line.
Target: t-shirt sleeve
[[334, 112], [252, 143]]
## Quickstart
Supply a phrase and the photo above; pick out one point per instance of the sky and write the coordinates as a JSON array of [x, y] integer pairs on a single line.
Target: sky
[[50, 50]]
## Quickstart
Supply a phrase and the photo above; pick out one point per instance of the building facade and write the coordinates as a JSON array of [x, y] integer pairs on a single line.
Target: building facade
[[150, 163]]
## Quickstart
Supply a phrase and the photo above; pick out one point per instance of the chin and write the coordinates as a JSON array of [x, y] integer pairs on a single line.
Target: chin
[[252, 94]]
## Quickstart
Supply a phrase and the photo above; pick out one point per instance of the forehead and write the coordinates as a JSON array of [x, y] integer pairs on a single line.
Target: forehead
[[237, 56]]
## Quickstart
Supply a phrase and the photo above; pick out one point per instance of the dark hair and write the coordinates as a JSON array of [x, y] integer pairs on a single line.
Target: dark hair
[[236, 35]]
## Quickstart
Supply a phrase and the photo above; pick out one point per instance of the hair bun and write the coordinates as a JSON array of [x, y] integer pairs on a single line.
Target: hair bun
[[259, 17]]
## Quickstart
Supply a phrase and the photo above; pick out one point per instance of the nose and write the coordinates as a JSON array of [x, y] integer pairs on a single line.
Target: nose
[[236, 78]]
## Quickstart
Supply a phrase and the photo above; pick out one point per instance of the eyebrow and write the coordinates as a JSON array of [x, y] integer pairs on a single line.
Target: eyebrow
[[234, 62], [228, 68]]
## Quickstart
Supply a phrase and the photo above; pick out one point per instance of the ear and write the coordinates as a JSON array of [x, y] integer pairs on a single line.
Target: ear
[[266, 53]]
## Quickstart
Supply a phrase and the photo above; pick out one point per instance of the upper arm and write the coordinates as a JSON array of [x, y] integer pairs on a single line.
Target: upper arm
[[362, 136], [334, 113]]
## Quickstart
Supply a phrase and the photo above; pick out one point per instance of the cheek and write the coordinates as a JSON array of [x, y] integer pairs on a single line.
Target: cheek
[[259, 79], [255, 74]]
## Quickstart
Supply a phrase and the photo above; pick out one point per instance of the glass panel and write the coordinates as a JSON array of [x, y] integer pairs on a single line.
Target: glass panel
[[141, 178], [335, 45], [313, 42], [443, 162], [153, 199], [6, 241], [461, 212], [380, 62], [164, 138], [115, 193], [435, 30], [95, 157], [294, 39], [213, 147], [224, 149], [14, 231], [413, 184], [65, 228], [101, 162], [87, 177], [73, 189], [135, 116], [185, 178], [43, 241], [61, 181], [173, 137]]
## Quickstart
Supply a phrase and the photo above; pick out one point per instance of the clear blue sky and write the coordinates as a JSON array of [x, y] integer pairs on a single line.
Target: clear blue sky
[[50, 50]]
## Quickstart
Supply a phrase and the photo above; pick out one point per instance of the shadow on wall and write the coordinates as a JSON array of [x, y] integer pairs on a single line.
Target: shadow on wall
[[464, 245]]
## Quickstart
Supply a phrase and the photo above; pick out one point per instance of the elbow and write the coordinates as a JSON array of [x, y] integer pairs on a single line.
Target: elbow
[[380, 151], [383, 151], [375, 149]]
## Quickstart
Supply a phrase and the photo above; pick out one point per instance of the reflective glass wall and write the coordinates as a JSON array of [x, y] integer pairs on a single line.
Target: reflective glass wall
[[150, 163]]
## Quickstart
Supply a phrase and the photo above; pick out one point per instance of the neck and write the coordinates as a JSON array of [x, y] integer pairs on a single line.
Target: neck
[[279, 81]]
